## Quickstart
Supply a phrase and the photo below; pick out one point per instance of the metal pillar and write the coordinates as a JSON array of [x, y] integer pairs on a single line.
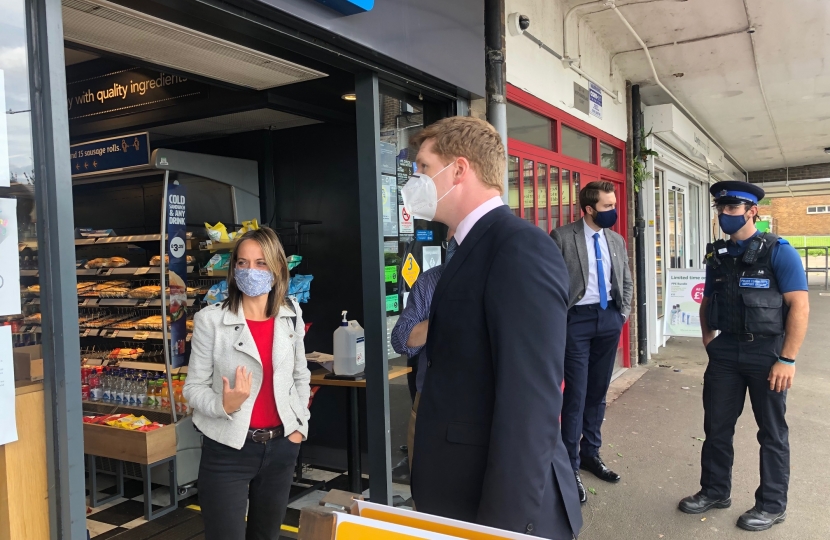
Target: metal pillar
[[640, 234], [56, 243], [496, 86], [374, 300]]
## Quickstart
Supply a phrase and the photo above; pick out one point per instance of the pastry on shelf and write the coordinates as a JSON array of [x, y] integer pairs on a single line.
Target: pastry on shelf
[[146, 292]]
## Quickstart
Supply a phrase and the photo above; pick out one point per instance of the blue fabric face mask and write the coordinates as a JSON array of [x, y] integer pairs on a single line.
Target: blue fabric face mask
[[606, 219], [253, 282], [731, 224]]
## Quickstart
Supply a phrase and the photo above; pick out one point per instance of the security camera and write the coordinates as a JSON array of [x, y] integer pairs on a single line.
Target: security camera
[[517, 24]]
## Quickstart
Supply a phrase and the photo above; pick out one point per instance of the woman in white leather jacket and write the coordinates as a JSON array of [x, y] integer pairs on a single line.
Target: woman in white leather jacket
[[248, 384]]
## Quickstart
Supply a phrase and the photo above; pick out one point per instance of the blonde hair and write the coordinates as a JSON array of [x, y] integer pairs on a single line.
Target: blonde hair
[[471, 138], [274, 256]]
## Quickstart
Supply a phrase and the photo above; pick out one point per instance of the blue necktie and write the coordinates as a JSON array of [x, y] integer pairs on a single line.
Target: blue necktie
[[603, 294], [452, 245]]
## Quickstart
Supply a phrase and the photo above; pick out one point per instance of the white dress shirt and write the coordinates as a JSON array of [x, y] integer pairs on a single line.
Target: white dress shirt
[[592, 287], [472, 218]]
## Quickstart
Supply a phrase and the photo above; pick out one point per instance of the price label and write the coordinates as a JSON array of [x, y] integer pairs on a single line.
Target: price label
[[142, 271], [144, 304], [141, 336], [85, 333], [188, 337], [114, 333]]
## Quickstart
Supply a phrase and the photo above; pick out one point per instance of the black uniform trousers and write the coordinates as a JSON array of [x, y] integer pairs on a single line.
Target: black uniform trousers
[[590, 351], [734, 367]]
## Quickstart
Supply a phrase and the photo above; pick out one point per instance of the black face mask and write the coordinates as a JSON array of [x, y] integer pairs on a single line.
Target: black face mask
[[605, 219]]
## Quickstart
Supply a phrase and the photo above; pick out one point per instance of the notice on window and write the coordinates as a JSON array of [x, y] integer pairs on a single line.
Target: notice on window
[[432, 257], [685, 293], [9, 267], [8, 421], [4, 137], [389, 203]]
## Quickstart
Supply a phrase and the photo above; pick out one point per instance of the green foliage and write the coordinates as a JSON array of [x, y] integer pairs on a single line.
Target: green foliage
[[640, 174]]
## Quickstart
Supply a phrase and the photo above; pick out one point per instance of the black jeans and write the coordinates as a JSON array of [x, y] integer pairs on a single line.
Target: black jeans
[[258, 477], [735, 367]]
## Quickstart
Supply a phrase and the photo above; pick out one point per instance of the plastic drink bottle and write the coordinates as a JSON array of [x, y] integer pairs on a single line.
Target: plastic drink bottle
[[165, 395]]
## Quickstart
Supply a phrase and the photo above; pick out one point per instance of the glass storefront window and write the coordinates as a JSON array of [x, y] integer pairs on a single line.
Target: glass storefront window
[[529, 127], [554, 197], [542, 197], [577, 211], [513, 184], [577, 144], [566, 196], [609, 157], [658, 237], [527, 192]]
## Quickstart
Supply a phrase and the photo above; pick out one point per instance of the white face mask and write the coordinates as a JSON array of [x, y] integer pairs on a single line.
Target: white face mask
[[420, 196]]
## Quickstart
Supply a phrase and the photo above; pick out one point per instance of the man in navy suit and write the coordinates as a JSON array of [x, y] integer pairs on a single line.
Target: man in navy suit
[[488, 447]]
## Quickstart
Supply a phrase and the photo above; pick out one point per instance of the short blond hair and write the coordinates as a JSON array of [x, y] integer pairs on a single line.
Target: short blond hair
[[471, 138]]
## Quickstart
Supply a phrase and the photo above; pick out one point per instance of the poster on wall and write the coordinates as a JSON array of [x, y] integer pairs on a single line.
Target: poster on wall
[[684, 295], [9, 263], [432, 257], [177, 271], [595, 97], [389, 203], [8, 420], [5, 171]]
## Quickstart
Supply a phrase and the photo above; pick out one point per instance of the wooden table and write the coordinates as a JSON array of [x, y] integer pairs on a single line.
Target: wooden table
[[318, 378]]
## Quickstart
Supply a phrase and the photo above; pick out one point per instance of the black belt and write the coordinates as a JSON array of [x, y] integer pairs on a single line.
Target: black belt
[[265, 435], [750, 337]]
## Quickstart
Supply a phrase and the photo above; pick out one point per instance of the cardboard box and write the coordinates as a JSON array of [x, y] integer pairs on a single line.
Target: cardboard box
[[144, 447], [340, 500], [28, 363]]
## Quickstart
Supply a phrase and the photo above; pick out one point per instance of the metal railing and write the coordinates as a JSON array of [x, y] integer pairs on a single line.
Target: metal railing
[[817, 269]]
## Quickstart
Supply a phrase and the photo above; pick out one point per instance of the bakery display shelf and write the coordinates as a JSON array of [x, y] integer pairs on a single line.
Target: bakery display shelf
[[29, 329], [127, 272], [125, 302], [118, 408], [137, 238], [207, 272], [135, 335], [28, 273], [150, 366]]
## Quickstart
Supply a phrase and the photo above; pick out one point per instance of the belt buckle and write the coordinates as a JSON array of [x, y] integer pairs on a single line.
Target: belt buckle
[[751, 337], [257, 432]]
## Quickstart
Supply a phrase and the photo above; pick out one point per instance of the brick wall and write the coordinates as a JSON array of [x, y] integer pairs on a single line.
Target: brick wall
[[805, 172], [790, 217]]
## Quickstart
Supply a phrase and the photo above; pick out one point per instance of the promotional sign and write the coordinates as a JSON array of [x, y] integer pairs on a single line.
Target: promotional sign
[[424, 235], [406, 221], [129, 91], [581, 98], [8, 420], [682, 303], [107, 155], [9, 267], [432, 257], [5, 180], [410, 270], [389, 203], [177, 271], [595, 96]]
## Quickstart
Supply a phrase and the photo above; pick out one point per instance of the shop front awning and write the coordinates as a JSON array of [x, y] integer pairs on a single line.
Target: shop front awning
[[796, 188]]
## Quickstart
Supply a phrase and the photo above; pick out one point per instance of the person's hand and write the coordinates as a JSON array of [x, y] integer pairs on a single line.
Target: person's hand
[[296, 437], [781, 377], [233, 398]]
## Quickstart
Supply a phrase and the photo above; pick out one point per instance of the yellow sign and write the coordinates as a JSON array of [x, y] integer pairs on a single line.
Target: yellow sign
[[411, 270]]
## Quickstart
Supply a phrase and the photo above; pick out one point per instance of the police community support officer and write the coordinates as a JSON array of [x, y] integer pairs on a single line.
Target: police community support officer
[[756, 295]]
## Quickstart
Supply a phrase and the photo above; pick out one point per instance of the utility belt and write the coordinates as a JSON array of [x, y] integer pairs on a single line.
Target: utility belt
[[265, 435], [750, 337]]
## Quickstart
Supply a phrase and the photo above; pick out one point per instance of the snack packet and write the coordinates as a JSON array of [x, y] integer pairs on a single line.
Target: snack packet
[[294, 261], [220, 261], [218, 232], [217, 293]]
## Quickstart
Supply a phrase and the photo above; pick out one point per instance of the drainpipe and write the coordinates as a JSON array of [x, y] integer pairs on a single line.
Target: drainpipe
[[496, 87], [639, 234], [612, 5]]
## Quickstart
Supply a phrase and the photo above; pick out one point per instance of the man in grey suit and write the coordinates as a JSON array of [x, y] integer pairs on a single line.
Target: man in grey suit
[[599, 303]]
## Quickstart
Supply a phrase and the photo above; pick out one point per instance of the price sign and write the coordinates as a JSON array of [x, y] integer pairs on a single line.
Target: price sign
[[85, 333], [114, 333], [410, 270], [141, 336], [142, 271]]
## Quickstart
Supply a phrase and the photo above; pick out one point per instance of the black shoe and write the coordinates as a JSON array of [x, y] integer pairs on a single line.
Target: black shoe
[[596, 466], [400, 472], [580, 489], [758, 520], [699, 503]]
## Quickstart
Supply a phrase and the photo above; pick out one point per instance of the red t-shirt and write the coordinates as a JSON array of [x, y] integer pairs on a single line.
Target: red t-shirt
[[265, 413]]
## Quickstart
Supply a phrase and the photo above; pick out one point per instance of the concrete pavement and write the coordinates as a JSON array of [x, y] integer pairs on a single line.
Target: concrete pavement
[[651, 437]]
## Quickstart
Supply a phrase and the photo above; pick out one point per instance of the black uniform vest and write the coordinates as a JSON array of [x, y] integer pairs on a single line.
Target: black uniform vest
[[745, 297]]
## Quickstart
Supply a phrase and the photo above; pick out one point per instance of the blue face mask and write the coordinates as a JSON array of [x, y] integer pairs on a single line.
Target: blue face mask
[[606, 219], [254, 282], [731, 224]]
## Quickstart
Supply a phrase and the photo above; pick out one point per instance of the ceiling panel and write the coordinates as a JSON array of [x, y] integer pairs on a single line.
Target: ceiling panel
[[231, 123]]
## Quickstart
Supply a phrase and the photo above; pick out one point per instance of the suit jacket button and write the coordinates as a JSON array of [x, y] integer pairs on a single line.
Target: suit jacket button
[[529, 527]]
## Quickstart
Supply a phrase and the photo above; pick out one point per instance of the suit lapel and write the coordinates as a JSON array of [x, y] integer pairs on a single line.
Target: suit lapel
[[613, 250], [476, 233], [582, 248]]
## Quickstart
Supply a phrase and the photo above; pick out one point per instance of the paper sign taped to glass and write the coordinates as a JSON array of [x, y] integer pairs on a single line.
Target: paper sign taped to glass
[[682, 305], [9, 262]]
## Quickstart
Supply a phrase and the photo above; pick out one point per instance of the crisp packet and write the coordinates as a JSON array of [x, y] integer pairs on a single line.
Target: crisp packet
[[150, 427], [217, 293], [220, 261], [300, 287], [294, 261], [218, 232]]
